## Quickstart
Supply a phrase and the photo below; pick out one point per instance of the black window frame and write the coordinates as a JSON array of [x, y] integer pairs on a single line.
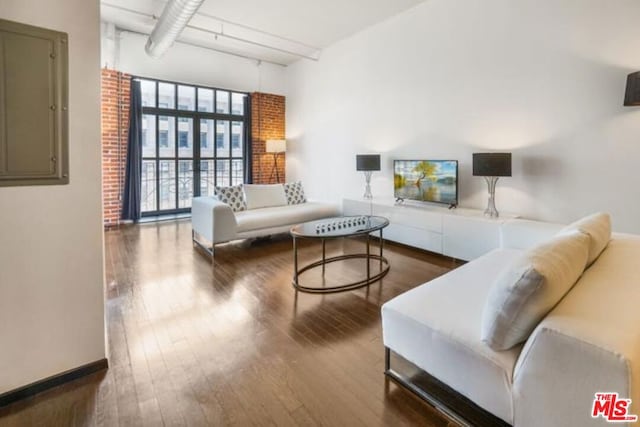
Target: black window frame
[[196, 159]]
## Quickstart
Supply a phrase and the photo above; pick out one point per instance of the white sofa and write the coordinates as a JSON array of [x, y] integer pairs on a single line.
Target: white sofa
[[588, 343], [216, 222]]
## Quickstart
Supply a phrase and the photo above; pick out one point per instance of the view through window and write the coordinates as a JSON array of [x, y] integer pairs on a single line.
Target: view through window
[[192, 140]]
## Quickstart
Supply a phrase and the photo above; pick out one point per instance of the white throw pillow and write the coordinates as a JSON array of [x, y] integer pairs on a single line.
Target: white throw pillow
[[264, 196], [295, 193], [527, 290], [598, 227], [232, 196]]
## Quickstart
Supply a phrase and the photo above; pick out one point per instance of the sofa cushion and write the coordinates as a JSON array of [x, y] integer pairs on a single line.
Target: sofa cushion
[[598, 227], [295, 193], [529, 288], [283, 215], [232, 196], [436, 326], [264, 195]]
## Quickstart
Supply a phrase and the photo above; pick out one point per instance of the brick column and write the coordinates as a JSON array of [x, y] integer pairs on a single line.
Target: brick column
[[115, 124], [267, 122]]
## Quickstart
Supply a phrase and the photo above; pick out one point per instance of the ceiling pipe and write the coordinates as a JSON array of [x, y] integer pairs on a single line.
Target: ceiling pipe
[[175, 16]]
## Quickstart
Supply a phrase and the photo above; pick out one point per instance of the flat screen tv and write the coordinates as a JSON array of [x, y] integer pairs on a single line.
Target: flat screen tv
[[426, 180]]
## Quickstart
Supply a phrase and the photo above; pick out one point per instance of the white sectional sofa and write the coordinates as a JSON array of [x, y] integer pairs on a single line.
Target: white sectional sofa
[[216, 222], [588, 343]]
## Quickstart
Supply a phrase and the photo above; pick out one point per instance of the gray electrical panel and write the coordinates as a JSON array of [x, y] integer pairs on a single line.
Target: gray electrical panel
[[34, 146]]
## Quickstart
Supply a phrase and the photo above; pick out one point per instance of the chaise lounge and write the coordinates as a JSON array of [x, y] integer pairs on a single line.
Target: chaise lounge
[[589, 341]]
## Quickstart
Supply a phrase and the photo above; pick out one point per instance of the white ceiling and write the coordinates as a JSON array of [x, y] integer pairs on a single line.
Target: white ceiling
[[300, 26]]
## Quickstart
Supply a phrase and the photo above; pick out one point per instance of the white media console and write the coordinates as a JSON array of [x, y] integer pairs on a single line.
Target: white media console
[[459, 233]]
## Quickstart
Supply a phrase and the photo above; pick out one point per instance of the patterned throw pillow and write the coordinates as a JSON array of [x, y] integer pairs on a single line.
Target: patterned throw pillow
[[233, 196], [295, 193]]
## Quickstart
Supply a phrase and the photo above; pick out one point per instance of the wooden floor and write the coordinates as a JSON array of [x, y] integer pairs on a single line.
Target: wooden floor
[[232, 344]]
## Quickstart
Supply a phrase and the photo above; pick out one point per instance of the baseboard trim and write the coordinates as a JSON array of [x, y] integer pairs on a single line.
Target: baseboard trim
[[51, 382]]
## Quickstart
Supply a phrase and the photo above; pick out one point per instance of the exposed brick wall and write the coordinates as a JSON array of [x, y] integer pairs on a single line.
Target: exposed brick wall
[[268, 117], [115, 96], [268, 122]]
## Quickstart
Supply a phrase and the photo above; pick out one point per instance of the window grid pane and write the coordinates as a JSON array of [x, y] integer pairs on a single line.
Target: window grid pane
[[237, 172], [223, 148], [223, 173], [205, 100], [185, 183], [166, 95], [148, 91], [222, 102], [167, 136], [167, 184], [148, 135], [237, 104], [186, 98], [207, 136], [207, 177], [237, 133], [148, 193], [185, 137]]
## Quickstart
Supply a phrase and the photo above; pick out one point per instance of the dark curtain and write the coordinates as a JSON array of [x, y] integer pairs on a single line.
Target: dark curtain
[[132, 182], [248, 142]]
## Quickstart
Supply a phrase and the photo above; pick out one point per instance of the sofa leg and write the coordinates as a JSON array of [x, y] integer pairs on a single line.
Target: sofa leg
[[387, 359], [196, 242], [466, 414]]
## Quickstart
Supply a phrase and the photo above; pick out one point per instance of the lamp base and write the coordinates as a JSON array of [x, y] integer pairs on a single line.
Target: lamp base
[[367, 187], [491, 210], [274, 171]]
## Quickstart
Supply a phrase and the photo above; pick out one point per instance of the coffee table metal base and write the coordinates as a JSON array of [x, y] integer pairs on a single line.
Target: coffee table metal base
[[383, 268]]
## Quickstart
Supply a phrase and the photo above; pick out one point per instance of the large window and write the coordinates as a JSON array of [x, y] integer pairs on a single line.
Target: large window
[[192, 140]]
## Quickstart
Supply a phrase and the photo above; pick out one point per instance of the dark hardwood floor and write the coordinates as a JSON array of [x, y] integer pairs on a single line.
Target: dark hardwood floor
[[231, 344]]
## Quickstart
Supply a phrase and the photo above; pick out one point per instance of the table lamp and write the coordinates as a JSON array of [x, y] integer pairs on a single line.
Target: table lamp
[[368, 163], [632, 90], [491, 166]]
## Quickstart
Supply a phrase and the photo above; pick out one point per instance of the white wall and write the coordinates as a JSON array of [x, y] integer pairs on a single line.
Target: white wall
[[191, 64], [51, 247], [541, 78]]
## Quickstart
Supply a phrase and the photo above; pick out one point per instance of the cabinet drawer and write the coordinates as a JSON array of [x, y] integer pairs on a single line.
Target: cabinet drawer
[[411, 217], [415, 237]]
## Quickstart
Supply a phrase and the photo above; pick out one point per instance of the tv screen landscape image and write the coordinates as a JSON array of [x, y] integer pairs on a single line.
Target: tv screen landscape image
[[426, 180]]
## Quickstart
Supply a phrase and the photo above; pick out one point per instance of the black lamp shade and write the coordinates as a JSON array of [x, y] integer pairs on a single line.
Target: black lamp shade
[[491, 164], [632, 92], [368, 162]]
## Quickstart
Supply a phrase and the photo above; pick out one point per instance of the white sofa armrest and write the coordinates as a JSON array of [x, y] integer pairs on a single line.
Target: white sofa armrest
[[213, 220]]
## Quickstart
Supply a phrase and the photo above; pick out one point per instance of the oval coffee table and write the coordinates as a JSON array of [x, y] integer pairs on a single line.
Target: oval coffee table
[[336, 228]]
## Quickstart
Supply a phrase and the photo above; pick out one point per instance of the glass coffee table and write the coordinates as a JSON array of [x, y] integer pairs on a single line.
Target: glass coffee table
[[337, 228]]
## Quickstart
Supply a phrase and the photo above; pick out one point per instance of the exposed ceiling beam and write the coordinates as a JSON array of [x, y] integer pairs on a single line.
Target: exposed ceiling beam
[[254, 43], [223, 34], [257, 30], [254, 29], [203, 46]]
